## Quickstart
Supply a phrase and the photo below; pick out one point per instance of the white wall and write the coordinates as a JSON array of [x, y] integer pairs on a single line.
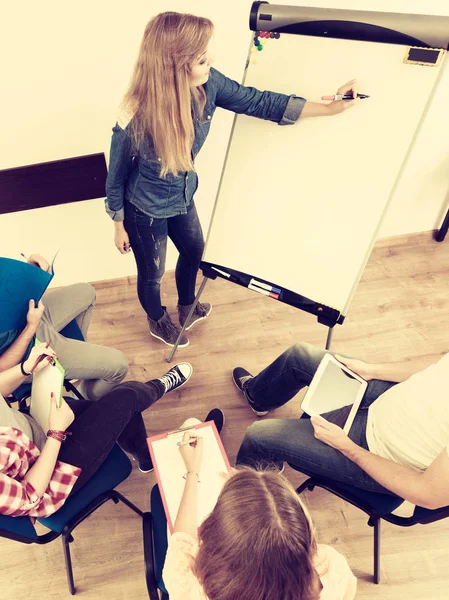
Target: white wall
[[67, 67]]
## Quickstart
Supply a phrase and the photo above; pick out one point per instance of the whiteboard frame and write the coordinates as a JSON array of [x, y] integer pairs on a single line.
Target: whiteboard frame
[[326, 315]]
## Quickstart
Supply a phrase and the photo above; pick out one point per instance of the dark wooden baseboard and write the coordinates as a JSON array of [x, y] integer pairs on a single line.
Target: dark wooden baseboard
[[52, 183]]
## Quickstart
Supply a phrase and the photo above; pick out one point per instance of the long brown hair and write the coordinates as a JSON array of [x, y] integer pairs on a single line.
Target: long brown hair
[[160, 95], [258, 543]]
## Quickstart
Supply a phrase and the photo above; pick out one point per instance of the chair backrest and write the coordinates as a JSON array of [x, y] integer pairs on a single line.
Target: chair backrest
[[370, 502], [160, 541], [426, 515], [115, 469], [72, 331], [19, 529]]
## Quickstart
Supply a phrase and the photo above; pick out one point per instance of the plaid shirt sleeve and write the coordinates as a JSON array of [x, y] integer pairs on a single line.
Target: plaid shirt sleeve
[[17, 496]]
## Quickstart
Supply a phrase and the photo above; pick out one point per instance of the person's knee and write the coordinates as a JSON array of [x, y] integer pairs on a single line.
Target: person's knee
[[252, 447], [86, 293], [256, 434], [118, 366], [191, 422], [301, 349]]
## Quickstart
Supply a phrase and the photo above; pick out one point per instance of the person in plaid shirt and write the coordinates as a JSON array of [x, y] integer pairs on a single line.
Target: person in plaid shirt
[[39, 470]]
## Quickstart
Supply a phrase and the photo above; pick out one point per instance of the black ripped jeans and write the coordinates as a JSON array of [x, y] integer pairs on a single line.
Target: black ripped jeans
[[115, 417], [148, 238]]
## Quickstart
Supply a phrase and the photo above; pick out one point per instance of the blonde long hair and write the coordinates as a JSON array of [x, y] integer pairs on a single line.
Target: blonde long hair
[[258, 543], [160, 95]]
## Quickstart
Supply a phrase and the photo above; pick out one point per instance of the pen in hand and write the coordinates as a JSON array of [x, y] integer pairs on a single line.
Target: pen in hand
[[344, 97], [191, 442], [50, 359]]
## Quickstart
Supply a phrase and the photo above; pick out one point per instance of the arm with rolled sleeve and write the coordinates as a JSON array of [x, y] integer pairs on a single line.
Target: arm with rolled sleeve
[[271, 106], [120, 165]]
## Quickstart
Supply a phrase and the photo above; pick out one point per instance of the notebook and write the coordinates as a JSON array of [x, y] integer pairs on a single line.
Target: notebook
[[45, 382], [334, 386], [19, 283], [169, 469]]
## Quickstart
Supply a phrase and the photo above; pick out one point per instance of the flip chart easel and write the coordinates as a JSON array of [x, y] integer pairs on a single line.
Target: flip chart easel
[[306, 244]]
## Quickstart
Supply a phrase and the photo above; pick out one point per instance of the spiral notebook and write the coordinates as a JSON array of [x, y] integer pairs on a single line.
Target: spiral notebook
[[45, 382]]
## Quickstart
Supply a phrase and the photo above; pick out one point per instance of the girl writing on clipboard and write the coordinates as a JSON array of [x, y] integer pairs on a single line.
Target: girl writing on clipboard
[[162, 125], [258, 542]]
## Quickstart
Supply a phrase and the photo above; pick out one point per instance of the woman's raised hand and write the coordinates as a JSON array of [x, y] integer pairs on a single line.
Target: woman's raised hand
[[338, 106]]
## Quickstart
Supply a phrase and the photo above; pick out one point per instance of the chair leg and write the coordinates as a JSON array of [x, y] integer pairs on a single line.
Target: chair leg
[[66, 539], [377, 531], [117, 496]]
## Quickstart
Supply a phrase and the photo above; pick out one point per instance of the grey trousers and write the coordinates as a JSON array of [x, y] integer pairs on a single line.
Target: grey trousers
[[101, 368]]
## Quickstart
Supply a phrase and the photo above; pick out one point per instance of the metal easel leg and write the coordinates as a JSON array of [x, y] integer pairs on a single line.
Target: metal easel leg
[[181, 333], [441, 234], [329, 338]]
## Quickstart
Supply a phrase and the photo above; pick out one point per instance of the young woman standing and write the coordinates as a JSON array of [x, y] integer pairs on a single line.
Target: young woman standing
[[163, 123]]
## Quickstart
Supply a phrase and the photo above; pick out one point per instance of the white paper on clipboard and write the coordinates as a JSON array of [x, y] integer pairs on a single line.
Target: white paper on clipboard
[[169, 468]]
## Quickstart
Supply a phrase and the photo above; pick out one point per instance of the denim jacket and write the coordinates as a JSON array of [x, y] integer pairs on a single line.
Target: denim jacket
[[134, 177]]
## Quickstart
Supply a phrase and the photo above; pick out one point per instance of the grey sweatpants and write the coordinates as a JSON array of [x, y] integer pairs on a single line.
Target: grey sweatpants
[[101, 368]]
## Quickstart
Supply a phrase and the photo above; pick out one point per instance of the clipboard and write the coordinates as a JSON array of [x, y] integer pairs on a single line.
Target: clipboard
[[169, 469]]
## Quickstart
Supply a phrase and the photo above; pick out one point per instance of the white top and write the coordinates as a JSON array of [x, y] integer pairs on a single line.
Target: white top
[[409, 423], [332, 567]]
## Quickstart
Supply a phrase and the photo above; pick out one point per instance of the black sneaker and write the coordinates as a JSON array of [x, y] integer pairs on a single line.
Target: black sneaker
[[240, 376], [202, 310], [165, 330], [146, 466], [176, 377], [217, 416]]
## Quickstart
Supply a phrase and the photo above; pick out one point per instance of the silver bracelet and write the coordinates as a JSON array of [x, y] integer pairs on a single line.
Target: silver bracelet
[[192, 473]]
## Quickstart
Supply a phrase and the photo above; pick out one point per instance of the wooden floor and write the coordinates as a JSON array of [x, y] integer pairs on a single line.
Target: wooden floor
[[400, 310]]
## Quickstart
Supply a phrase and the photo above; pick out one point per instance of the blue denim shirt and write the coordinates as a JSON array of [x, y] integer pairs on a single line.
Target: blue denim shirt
[[134, 177]]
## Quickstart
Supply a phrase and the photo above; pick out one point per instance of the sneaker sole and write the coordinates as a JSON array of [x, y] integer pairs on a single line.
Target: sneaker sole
[[168, 343], [259, 413], [198, 320], [134, 459], [150, 471]]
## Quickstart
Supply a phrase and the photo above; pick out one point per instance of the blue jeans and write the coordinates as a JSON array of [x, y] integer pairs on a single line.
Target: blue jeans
[[148, 238], [293, 440]]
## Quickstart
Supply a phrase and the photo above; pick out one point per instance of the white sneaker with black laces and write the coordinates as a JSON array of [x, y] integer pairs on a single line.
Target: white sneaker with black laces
[[176, 377]]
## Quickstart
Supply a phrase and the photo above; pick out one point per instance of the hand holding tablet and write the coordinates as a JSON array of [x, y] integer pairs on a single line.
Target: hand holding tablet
[[334, 386]]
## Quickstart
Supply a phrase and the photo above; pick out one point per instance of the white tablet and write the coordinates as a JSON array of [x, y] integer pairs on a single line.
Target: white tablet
[[334, 386]]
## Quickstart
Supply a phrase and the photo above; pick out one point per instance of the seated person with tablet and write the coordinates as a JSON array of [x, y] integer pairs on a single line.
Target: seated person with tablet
[[398, 443]]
